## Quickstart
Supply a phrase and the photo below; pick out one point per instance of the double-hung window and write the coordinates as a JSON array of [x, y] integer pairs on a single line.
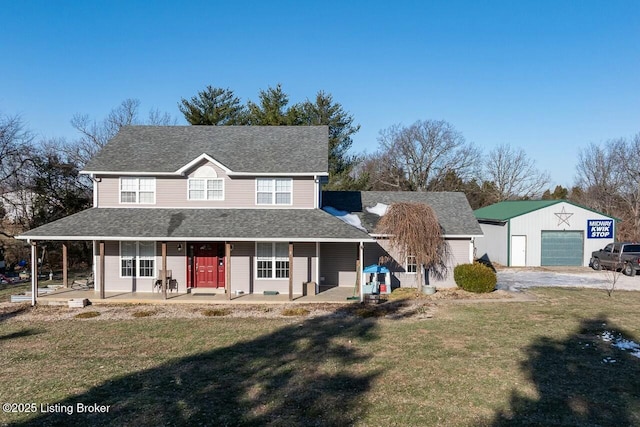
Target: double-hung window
[[274, 191], [137, 259], [206, 189], [412, 265], [137, 190], [272, 260]]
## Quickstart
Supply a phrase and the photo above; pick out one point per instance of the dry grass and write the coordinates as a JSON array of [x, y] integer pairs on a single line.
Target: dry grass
[[216, 312], [87, 315], [143, 313], [295, 311], [494, 363]]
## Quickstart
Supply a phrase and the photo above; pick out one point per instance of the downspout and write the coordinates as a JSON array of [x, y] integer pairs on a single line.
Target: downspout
[[316, 187], [317, 278], [361, 270], [95, 182]]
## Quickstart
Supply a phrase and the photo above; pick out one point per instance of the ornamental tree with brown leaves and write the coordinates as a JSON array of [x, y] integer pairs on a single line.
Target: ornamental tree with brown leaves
[[414, 230]]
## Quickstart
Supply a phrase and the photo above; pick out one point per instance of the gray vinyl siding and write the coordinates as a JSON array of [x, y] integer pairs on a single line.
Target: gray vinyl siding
[[459, 251], [242, 266], [239, 192], [338, 264], [176, 262], [382, 253], [243, 269]]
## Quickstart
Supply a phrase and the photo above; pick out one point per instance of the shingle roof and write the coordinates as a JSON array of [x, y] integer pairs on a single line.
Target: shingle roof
[[508, 209], [254, 149], [452, 209], [175, 224]]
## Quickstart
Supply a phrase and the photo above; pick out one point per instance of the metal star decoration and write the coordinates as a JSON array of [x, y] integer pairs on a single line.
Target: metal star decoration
[[563, 217]]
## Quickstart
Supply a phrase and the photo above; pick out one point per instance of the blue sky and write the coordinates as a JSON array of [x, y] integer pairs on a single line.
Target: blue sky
[[549, 76]]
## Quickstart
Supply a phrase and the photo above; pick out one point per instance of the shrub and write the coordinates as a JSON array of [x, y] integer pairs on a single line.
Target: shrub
[[476, 277]]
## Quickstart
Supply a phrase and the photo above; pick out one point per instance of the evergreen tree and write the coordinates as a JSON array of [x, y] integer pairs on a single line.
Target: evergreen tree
[[213, 106]]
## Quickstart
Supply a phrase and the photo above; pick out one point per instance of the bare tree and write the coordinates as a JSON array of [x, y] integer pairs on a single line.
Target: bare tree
[[95, 134], [426, 153], [629, 186], [415, 230], [15, 157], [598, 174], [513, 174]]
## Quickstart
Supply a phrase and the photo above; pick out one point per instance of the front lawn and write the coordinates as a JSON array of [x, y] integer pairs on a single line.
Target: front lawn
[[548, 362]]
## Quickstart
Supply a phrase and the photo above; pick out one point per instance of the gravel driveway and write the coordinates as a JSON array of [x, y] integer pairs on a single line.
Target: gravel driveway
[[515, 279]]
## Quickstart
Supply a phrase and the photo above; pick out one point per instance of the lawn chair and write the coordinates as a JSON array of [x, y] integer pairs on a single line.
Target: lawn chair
[[171, 282]]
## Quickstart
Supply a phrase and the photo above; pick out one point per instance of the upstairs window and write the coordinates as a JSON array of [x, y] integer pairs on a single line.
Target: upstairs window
[[138, 190], [274, 191], [206, 189], [204, 184]]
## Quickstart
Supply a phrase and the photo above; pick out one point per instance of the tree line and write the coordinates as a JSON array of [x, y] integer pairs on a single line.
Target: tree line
[[40, 180]]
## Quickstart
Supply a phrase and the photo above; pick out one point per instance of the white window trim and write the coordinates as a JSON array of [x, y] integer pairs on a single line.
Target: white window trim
[[137, 191], [205, 189], [274, 259], [406, 265], [137, 259], [273, 192]]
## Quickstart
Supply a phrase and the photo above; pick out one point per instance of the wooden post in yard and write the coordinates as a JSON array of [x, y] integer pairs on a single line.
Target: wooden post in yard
[[290, 271], [102, 293], [163, 276], [65, 266], [227, 268]]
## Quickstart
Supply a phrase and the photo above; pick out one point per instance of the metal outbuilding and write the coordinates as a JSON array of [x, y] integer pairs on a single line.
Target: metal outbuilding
[[531, 233]]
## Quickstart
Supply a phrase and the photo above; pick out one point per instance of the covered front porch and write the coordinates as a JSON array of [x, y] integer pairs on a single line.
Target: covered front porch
[[214, 254]]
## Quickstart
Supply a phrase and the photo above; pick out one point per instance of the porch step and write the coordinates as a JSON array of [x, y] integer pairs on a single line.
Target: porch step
[[208, 290]]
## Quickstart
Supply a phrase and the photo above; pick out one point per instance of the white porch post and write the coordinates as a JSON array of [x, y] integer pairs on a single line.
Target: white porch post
[[34, 273], [361, 270]]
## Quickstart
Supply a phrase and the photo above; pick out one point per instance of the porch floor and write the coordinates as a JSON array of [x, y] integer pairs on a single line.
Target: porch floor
[[338, 294]]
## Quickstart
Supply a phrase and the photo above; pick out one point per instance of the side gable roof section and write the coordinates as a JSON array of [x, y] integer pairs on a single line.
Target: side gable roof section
[[508, 209], [241, 150], [452, 208]]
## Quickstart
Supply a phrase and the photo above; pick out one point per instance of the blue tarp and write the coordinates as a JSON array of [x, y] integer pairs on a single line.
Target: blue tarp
[[374, 268]]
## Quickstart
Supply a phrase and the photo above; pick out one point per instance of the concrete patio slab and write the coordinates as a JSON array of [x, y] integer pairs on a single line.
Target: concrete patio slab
[[336, 295]]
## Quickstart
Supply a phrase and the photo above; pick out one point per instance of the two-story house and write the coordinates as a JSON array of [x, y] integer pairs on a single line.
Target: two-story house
[[233, 209]]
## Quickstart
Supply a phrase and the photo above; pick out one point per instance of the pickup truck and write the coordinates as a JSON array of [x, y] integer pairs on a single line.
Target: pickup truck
[[623, 256]]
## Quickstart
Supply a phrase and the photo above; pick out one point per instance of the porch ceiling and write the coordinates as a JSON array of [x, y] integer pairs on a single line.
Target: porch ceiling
[[198, 224]]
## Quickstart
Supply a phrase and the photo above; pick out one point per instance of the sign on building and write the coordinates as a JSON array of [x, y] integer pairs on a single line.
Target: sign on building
[[599, 229]]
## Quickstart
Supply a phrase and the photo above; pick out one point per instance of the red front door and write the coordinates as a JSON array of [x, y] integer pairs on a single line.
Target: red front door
[[208, 265]]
